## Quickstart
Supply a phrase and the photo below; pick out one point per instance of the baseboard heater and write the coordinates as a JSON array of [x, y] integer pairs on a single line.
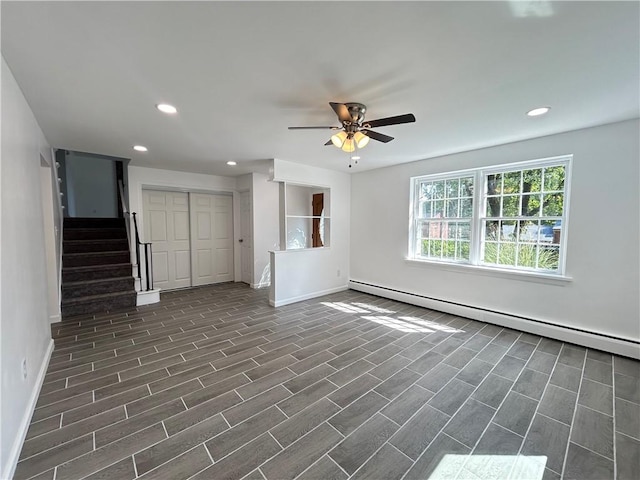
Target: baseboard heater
[[586, 338]]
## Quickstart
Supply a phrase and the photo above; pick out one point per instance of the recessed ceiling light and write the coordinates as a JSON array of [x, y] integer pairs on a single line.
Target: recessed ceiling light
[[538, 111], [140, 148], [231, 162], [355, 158], [166, 108]]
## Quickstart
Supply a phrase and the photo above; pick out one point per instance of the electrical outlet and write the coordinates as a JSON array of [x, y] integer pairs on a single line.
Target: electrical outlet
[[24, 368]]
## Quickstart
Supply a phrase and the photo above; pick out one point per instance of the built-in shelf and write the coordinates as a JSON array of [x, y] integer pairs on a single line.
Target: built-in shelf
[[306, 222]]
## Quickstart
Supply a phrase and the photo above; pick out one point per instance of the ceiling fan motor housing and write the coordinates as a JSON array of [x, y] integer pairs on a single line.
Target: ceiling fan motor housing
[[357, 111]]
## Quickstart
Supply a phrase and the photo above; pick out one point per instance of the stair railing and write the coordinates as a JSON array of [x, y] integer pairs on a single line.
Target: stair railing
[[148, 258], [125, 211]]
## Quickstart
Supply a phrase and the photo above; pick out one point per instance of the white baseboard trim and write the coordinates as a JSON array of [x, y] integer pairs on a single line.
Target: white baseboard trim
[[54, 318], [148, 297], [14, 454], [619, 346], [260, 285], [287, 301]]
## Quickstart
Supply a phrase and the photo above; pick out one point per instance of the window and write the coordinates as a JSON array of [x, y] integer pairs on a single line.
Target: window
[[444, 214], [508, 217]]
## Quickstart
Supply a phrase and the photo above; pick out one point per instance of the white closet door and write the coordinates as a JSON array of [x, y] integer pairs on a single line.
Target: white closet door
[[211, 238], [166, 226]]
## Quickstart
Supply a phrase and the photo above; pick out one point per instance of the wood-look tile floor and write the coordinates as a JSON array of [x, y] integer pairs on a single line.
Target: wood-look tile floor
[[213, 383]]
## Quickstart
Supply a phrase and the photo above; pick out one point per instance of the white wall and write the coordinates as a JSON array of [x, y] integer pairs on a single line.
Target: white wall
[[140, 177], [52, 233], [265, 201], [91, 186], [24, 322], [244, 182], [603, 235], [298, 200], [308, 273]]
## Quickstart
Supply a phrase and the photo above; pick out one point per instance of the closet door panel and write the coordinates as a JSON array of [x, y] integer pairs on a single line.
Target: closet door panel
[[212, 238], [166, 226]]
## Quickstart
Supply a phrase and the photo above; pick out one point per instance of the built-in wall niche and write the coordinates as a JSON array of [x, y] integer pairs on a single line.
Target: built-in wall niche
[[307, 216]]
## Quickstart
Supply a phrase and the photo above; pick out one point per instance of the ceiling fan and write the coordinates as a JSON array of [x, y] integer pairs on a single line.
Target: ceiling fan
[[355, 132]]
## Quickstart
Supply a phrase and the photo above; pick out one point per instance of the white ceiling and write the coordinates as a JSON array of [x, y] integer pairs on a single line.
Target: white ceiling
[[241, 72]]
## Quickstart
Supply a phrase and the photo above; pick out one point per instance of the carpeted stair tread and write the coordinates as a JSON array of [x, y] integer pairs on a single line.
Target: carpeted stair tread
[[97, 286], [95, 272], [95, 258], [86, 268], [94, 254], [94, 233], [102, 296], [95, 245], [98, 222], [92, 241], [94, 281], [98, 303]]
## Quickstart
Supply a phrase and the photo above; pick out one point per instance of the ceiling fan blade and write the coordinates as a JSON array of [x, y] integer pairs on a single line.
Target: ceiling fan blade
[[383, 122], [342, 111], [314, 128], [328, 143], [377, 136]]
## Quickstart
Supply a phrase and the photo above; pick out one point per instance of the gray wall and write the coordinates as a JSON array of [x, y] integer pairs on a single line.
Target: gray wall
[[91, 186]]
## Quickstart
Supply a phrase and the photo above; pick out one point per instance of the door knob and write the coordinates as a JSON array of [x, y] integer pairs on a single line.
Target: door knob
[[241, 240]]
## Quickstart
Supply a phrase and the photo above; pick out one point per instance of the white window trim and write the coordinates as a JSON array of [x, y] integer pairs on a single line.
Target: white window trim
[[479, 207], [416, 207], [525, 275]]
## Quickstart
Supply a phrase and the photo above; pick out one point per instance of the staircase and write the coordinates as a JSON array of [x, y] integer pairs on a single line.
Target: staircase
[[96, 267]]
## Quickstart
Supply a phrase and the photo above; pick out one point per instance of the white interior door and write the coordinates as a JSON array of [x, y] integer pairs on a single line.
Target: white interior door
[[212, 238], [245, 238], [166, 226]]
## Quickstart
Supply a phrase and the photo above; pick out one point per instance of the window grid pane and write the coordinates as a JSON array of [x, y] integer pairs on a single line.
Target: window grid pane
[[443, 222], [523, 218], [444, 239]]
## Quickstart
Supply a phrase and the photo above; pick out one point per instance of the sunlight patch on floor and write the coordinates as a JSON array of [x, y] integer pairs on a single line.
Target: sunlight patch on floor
[[489, 467], [373, 308], [403, 323], [398, 324], [344, 307], [429, 324]]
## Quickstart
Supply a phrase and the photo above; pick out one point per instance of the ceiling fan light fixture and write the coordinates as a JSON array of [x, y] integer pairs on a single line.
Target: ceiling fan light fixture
[[339, 138], [361, 139], [349, 145]]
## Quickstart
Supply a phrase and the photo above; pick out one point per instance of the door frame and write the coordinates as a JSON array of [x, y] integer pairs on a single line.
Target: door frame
[[137, 187], [242, 240]]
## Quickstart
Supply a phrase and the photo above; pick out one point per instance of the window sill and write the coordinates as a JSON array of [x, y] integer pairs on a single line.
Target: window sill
[[548, 278]]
